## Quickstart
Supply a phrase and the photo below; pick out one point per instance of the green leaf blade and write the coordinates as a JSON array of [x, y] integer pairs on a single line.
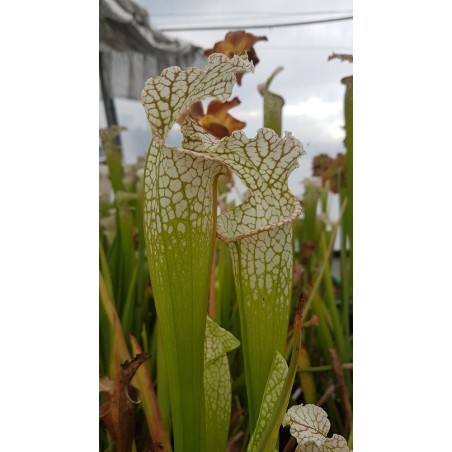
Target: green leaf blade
[[217, 385], [272, 393]]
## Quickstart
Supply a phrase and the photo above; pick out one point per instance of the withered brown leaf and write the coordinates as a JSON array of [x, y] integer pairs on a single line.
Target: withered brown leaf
[[119, 410], [341, 57], [216, 120], [235, 43]]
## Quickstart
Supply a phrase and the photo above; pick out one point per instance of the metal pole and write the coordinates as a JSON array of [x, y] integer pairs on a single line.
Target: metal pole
[[109, 105]]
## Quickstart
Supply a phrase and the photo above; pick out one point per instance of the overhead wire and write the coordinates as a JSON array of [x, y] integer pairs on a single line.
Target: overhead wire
[[251, 26], [252, 13], [342, 48]]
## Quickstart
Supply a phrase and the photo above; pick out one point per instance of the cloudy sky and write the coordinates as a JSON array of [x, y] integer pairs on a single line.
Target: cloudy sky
[[309, 83]]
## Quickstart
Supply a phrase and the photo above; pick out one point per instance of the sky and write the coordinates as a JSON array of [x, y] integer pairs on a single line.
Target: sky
[[309, 83]]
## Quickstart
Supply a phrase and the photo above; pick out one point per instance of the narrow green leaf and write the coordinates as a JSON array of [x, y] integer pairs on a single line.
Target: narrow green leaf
[[126, 231], [330, 301], [113, 318], [113, 156], [225, 290], [105, 270], [129, 305], [348, 113], [276, 396], [273, 104], [273, 388], [217, 385], [307, 380], [310, 200], [163, 389], [347, 222]]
